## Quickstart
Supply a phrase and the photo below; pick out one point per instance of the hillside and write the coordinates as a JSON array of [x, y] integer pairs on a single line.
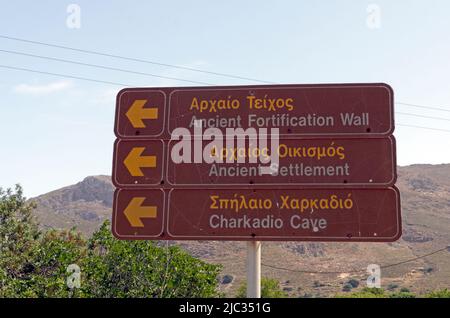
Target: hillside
[[84, 205], [425, 192]]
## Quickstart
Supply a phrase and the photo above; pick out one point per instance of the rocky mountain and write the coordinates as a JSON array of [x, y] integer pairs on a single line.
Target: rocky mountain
[[84, 205], [425, 194]]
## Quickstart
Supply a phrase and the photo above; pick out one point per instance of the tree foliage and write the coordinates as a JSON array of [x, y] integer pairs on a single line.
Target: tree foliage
[[444, 293], [116, 268], [18, 240], [34, 263], [403, 293], [270, 288]]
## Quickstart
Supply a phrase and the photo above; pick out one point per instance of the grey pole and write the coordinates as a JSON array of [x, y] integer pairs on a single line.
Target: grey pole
[[254, 269]]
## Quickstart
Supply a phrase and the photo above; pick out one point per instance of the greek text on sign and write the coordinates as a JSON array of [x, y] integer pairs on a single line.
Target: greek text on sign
[[297, 110], [361, 215]]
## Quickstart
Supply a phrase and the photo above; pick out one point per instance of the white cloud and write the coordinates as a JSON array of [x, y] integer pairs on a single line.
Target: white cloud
[[107, 96], [42, 89]]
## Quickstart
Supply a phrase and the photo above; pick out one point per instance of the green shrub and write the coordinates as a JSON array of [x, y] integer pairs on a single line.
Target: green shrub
[[392, 286], [404, 290], [402, 295], [115, 268], [364, 293], [444, 293], [270, 288], [353, 282], [347, 287], [35, 263]]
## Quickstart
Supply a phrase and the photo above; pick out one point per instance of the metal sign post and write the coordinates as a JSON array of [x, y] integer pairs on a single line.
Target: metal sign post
[[254, 269]]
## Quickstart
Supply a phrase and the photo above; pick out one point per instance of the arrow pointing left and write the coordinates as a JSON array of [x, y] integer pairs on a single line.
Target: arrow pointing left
[[135, 211], [135, 161], [137, 113]]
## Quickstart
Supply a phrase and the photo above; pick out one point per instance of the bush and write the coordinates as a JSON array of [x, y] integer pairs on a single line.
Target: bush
[[270, 288], [19, 237], [402, 295], [392, 286], [115, 268], [35, 263], [376, 293], [227, 279], [56, 251], [347, 288], [444, 293], [364, 293], [404, 290], [317, 284], [353, 282]]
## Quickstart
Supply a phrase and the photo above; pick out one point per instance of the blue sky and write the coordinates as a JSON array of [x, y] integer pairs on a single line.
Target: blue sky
[[55, 131]]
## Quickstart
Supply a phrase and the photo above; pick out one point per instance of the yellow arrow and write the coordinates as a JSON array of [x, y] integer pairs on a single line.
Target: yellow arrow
[[135, 212], [135, 161], [137, 113]]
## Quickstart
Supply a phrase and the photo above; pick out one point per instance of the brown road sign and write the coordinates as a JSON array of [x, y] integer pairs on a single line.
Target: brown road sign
[[369, 162], [138, 213], [297, 110], [137, 162], [340, 110], [365, 162], [360, 215], [333, 182]]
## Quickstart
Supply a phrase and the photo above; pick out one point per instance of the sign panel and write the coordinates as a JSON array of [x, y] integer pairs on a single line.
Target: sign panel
[[302, 110], [360, 215], [363, 215], [368, 162], [296, 110], [312, 162]]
